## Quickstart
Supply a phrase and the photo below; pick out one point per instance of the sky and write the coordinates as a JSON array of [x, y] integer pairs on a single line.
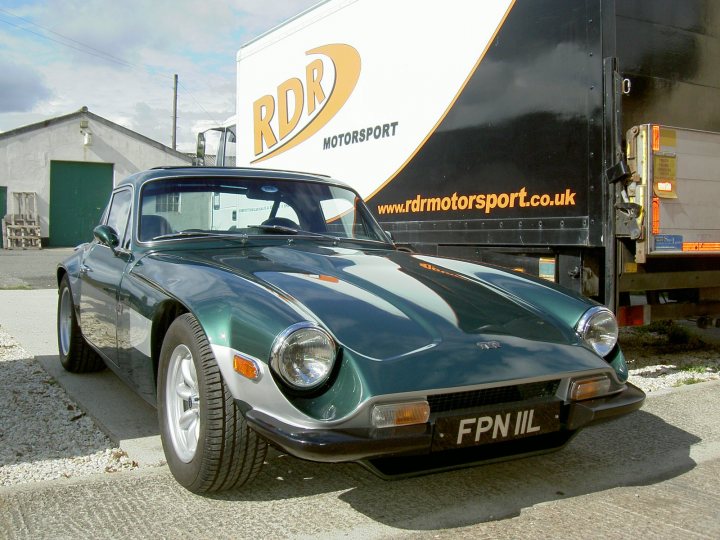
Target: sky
[[118, 59]]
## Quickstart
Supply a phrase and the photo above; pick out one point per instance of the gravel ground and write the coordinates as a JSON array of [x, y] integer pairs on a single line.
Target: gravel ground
[[45, 436], [666, 355]]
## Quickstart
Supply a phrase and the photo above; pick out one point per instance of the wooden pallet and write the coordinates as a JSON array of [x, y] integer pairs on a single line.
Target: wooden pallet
[[22, 229]]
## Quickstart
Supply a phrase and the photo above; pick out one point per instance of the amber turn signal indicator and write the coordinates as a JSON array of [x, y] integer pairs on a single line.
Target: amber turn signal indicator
[[400, 414], [246, 367], [589, 388]]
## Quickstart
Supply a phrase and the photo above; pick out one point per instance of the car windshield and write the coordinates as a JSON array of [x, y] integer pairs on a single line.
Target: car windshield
[[196, 207]]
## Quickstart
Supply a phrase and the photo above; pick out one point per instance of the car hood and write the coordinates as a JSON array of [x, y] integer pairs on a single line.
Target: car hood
[[386, 304]]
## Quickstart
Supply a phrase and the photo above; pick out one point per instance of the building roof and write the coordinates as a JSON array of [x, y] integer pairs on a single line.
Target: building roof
[[85, 113]]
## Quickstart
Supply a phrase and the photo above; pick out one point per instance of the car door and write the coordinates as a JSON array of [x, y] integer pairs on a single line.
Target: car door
[[100, 274]]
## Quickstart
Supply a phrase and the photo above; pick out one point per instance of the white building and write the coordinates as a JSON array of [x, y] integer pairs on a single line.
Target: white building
[[71, 163]]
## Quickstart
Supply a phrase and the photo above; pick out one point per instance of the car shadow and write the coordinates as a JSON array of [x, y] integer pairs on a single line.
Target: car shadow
[[640, 449], [120, 412]]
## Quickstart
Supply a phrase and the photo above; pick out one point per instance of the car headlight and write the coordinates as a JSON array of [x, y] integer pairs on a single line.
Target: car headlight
[[599, 329], [303, 355]]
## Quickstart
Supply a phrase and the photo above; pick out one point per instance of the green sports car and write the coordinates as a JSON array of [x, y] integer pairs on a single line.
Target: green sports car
[[257, 307]]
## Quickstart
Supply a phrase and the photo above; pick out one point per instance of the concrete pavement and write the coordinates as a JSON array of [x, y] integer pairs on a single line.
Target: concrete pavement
[[652, 474], [30, 268]]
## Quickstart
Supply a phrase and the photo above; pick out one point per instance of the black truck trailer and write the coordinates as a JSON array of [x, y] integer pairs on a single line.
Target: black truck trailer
[[577, 140]]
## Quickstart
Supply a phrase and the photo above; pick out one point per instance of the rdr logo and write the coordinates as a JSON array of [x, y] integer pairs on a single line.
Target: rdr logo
[[301, 107]]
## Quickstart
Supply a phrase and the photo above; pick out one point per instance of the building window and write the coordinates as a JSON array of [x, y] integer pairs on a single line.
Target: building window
[[167, 202]]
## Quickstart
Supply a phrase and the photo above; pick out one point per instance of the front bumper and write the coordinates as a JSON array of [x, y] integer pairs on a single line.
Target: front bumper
[[335, 446]]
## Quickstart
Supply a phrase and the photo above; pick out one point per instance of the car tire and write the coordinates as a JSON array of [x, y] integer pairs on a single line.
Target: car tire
[[76, 355], [207, 442]]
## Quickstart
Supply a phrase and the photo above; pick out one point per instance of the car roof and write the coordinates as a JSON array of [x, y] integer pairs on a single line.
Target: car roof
[[140, 178]]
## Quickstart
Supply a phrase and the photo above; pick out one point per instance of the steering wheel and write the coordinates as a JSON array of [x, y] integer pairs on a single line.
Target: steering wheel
[[281, 222]]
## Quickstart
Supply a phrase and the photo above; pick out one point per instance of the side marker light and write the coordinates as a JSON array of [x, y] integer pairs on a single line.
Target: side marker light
[[246, 367]]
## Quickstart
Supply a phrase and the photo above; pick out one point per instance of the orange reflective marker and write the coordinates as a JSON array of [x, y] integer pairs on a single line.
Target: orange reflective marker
[[701, 246], [656, 215]]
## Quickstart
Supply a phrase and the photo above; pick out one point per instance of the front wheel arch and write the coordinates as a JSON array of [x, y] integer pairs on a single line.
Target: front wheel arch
[[194, 399], [165, 315]]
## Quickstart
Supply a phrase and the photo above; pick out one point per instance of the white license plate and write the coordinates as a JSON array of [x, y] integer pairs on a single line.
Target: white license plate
[[497, 425]]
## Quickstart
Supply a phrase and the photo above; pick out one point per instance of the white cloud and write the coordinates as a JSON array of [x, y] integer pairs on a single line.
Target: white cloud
[[196, 40], [21, 87]]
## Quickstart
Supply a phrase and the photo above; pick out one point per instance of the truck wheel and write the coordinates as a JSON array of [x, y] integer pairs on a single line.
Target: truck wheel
[[208, 445], [76, 355]]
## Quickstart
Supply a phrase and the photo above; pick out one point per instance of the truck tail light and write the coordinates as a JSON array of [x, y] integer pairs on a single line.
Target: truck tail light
[[656, 138], [656, 215]]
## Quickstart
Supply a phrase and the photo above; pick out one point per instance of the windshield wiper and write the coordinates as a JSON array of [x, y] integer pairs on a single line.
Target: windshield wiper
[[291, 230], [275, 228], [191, 233]]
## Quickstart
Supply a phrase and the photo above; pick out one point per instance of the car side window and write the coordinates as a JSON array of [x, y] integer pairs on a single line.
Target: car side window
[[342, 218], [119, 212]]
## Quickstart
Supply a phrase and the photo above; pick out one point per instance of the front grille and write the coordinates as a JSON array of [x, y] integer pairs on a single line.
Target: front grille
[[492, 396]]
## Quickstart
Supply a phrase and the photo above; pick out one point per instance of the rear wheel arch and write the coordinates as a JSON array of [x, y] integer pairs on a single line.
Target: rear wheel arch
[[75, 353], [60, 274]]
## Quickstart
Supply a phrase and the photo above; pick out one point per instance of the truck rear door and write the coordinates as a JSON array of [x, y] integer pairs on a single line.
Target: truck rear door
[[677, 182]]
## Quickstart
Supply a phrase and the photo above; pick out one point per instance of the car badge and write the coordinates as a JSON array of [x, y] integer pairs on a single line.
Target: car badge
[[487, 345]]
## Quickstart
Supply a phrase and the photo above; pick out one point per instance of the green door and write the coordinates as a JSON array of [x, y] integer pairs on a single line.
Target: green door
[[78, 195], [3, 201]]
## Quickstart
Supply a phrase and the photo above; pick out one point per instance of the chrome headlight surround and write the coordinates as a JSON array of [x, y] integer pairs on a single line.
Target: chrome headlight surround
[[599, 329], [303, 356]]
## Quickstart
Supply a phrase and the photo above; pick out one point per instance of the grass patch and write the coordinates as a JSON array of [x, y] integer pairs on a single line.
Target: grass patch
[[21, 287], [693, 369], [690, 380], [680, 335], [658, 343], [659, 327], [672, 334]]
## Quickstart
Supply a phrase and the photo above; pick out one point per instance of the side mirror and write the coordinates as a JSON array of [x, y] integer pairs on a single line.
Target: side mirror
[[107, 236], [200, 151]]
